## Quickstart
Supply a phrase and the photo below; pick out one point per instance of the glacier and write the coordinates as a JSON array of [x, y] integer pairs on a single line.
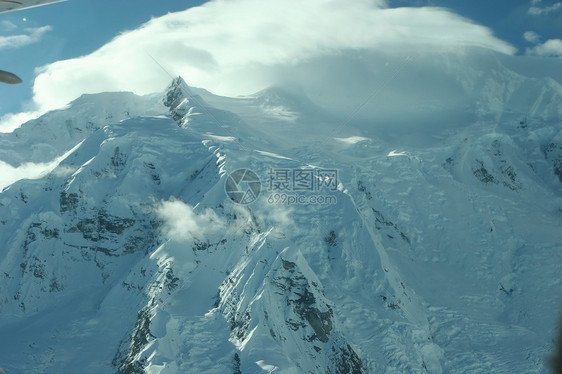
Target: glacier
[[436, 247]]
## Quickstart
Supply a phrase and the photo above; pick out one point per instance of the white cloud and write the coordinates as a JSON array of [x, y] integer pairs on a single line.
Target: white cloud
[[7, 26], [552, 47], [537, 10], [237, 47], [181, 223], [30, 36], [531, 37]]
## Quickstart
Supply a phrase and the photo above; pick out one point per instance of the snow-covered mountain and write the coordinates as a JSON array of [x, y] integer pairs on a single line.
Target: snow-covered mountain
[[370, 244]]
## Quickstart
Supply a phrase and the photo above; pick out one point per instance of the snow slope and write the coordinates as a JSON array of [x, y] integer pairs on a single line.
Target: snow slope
[[437, 249]]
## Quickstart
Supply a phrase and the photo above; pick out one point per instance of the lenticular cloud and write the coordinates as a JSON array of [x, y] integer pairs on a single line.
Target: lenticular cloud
[[238, 47]]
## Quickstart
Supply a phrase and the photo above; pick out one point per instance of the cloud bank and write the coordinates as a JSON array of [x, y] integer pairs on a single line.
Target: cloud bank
[[30, 170], [238, 47], [10, 174]]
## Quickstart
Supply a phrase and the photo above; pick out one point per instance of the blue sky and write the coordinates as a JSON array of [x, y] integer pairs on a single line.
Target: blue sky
[[79, 27]]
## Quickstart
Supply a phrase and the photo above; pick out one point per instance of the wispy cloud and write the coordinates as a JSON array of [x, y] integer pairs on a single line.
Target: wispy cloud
[[238, 47], [537, 10], [30, 36], [7, 26]]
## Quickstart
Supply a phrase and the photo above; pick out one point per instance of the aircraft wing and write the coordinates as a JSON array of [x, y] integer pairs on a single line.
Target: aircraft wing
[[8, 5]]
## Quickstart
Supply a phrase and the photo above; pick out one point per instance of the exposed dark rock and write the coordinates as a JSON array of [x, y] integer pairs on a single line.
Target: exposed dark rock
[[236, 364], [553, 153], [68, 201], [102, 226], [331, 239], [347, 362], [132, 363], [119, 159], [482, 174], [321, 322]]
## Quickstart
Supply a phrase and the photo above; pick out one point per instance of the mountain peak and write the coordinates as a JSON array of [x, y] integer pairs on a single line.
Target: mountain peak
[[349, 253]]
